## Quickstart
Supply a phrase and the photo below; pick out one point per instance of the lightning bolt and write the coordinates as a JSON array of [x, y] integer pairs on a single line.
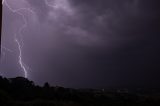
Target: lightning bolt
[[19, 42]]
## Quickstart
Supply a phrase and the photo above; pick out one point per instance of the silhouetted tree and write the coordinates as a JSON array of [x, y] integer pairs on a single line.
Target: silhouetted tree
[[46, 85]]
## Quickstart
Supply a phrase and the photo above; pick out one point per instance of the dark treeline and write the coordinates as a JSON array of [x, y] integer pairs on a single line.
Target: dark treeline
[[22, 92]]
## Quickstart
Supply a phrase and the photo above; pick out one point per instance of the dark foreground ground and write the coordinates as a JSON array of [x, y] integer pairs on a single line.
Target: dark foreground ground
[[22, 92]]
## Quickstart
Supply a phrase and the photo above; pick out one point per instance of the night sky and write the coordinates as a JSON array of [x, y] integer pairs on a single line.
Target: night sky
[[84, 43]]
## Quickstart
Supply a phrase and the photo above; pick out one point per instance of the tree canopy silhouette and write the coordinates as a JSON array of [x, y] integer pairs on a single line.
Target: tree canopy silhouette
[[20, 91]]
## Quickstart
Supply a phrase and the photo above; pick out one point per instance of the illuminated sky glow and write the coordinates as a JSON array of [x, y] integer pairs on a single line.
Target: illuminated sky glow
[[81, 43]]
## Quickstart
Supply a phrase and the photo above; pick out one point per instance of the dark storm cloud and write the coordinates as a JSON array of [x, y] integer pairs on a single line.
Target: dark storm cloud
[[134, 26], [94, 43]]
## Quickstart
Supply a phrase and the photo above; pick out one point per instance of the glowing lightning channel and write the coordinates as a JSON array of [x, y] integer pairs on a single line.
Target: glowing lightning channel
[[20, 42], [20, 58]]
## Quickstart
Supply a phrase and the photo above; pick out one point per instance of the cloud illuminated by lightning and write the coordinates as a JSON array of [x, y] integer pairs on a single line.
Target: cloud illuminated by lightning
[[61, 5], [3, 53], [56, 4], [2, 1], [19, 41]]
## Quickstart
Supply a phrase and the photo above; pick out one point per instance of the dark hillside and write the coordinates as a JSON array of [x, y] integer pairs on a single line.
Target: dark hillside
[[20, 91]]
